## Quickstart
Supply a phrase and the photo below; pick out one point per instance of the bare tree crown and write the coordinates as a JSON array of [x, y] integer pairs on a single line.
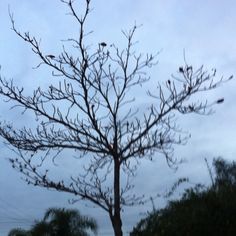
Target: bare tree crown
[[100, 121]]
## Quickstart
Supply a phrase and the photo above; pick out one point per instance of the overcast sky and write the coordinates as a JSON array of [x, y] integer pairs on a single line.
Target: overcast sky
[[204, 29]]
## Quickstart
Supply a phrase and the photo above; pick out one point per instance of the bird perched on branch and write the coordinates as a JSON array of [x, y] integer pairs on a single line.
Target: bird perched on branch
[[50, 56], [181, 69], [103, 44]]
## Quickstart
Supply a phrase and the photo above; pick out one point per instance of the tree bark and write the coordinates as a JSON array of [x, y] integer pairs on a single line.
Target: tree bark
[[116, 218]]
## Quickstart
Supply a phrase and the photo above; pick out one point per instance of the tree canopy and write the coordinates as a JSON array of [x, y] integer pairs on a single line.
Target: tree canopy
[[201, 210]]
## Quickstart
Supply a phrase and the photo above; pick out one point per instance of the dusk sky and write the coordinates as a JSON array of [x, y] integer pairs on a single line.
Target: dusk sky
[[204, 30]]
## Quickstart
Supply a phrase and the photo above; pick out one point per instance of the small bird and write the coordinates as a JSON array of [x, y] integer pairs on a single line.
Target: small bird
[[50, 56], [127, 125], [103, 44], [181, 70], [51, 88], [161, 142], [191, 108], [221, 100]]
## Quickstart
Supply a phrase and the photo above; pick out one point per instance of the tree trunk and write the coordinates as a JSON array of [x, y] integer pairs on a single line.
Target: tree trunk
[[116, 218], [117, 224]]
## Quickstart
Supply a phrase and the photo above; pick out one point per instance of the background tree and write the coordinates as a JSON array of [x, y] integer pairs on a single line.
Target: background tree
[[60, 221], [69, 222], [200, 211], [42, 228], [91, 110], [19, 232]]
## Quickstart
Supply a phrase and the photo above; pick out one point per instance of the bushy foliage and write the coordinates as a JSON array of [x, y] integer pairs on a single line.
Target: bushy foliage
[[200, 211]]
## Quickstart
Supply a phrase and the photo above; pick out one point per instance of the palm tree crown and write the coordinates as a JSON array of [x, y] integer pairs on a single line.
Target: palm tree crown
[[60, 221]]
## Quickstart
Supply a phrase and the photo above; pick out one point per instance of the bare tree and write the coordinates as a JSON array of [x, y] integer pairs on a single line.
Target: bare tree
[[100, 121]]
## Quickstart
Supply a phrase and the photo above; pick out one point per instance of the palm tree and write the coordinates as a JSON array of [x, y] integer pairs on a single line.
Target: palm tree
[[60, 221], [41, 228], [69, 222]]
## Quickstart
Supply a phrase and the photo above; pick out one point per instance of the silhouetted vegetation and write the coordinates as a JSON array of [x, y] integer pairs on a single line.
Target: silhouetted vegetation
[[200, 211], [60, 222], [89, 108]]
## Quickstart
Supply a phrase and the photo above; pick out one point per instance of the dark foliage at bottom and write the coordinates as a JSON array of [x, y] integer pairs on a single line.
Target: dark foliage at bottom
[[200, 211]]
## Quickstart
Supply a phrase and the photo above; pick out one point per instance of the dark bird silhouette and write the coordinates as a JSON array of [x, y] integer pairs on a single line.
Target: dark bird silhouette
[[127, 125], [50, 56], [161, 141], [103, 44], [191, 108], [220, 100], [181, 70]]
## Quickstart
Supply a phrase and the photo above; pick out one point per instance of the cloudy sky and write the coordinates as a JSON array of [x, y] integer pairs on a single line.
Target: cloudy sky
[[204, 29]]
